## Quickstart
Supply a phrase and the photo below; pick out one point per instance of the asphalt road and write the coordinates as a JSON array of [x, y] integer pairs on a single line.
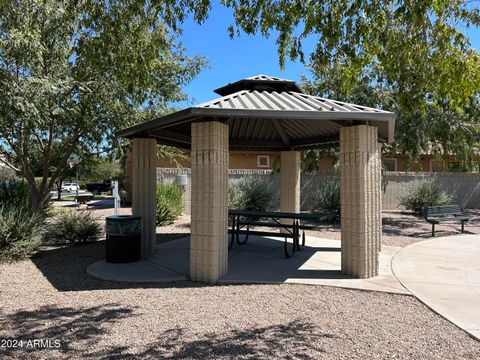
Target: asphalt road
[[72, 193]]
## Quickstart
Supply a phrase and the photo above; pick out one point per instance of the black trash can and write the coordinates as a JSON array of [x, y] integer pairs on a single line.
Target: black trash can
[[124, 238]]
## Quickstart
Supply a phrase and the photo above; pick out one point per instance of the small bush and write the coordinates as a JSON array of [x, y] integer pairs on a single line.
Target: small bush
[[326, 199], [169, 204], [73, 227], [16, 192], [251, 193], [424, 193], [21, 232]]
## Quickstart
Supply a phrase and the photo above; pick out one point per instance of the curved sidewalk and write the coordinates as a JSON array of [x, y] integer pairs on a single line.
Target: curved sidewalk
[[444, 273]]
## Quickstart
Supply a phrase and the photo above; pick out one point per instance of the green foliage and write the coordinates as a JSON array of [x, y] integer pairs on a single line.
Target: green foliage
[[14, 192], [421, 46], [73, 227], [101, 168], [21, 232], [17, 194], [437, 127], [251, 193], [172, 155], [169, 204], [424, 193], [74, 72], [326, 199]]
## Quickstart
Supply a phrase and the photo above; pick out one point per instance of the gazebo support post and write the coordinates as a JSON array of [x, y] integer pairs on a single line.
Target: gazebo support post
[[290, 181], [360, 200], [144, 182], [209, 215]]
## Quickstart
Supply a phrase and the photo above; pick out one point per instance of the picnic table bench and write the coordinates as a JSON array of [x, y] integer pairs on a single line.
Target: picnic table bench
[[242, 220], [439, 214]]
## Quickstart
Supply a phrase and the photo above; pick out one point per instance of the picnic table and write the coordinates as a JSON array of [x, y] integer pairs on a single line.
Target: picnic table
[[290, 222]]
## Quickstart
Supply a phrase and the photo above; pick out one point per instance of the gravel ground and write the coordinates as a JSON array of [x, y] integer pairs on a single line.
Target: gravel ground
[[51, 297], [402, 228], [399, 228]]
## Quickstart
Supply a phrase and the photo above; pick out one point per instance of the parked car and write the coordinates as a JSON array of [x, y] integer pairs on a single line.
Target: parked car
[[97, 188], [69, 187]]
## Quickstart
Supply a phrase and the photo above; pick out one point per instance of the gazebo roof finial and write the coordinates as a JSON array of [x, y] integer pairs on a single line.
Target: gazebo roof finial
[[260, 83]]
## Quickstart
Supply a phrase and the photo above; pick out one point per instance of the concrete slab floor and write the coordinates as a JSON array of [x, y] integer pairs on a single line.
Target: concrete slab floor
[[261, 260], [444, 273], [135, 272]]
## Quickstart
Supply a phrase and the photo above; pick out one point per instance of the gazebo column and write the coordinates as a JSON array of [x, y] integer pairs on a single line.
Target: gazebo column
[[209, 215], [290, 181], [360, 200], [144, 183]]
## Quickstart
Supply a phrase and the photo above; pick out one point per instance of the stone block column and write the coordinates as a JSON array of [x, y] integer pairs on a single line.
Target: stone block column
[[144, 184], [360, 200], [209, 198], [289, 182]]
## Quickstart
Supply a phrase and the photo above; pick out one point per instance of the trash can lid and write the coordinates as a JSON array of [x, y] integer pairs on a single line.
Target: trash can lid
[[122, 217]]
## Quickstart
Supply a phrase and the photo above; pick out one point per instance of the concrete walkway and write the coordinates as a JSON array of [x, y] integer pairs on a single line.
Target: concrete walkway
[[444, 273], [261, 260]]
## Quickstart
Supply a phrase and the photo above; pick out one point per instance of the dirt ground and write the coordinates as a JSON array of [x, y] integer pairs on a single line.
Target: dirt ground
[[51, 297], [399, 228]]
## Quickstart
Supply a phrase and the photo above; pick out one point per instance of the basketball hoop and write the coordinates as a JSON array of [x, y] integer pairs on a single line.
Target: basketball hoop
[[72, 160]]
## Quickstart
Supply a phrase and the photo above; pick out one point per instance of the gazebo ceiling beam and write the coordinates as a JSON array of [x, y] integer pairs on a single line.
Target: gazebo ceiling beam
[[255, 144], [343, 123], [173, 136], [281, 132], [316, 140]]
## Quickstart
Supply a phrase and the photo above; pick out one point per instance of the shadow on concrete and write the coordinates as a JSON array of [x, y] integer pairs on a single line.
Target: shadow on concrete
[[64, 267]]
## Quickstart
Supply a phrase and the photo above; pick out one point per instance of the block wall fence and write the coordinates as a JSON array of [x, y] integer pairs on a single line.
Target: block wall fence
[[465, 187]]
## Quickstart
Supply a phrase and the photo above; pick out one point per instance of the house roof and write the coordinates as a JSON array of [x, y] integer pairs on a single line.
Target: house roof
[[267, 113]]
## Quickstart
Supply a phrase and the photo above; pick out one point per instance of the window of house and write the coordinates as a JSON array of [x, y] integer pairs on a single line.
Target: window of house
[[263, 161], [390, 164], [436, 165]]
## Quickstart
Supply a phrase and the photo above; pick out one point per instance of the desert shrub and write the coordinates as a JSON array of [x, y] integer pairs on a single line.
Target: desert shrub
[[252, 193], [326, 199], [21, 232], [15, 192], [169, 204], [234, 196], [424, 193], [73, 227]]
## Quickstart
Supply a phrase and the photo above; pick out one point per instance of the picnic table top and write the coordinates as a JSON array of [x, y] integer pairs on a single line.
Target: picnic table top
[[275, 214]]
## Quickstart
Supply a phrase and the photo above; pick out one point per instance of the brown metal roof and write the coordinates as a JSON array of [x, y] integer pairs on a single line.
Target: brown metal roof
[[262, 118]]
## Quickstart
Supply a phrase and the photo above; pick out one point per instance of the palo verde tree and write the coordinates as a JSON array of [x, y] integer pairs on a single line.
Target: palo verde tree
[[413, 56], [420, 45], [72, 72], [440, 129]]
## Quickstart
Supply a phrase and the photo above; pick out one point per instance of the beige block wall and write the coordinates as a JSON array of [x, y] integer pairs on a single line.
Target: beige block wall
[[144, 182], [209, 198], [361, 200]]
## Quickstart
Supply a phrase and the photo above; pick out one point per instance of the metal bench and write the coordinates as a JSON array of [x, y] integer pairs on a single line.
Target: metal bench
[[439, 214]]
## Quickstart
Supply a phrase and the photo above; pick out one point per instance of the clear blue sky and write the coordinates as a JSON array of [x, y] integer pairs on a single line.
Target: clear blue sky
[[244, 56]]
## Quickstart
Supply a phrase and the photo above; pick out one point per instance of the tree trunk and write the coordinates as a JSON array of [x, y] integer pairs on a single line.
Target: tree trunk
[[38, 201], [59, 183]]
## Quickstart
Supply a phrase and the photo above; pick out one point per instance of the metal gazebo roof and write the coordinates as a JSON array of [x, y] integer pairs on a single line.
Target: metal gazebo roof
[[267, 113]]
